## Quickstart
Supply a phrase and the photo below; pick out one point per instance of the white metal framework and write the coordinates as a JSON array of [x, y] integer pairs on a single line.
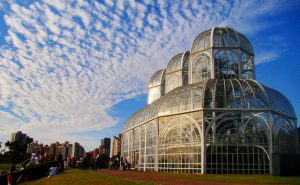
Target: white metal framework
[[223, 121]]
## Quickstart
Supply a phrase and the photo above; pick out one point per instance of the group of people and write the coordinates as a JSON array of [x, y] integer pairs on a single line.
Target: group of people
[[59, 168], [39, 158], [36, 159], [121, 164]]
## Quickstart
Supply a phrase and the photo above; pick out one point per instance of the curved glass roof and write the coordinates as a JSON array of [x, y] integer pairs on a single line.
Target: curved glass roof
[[157, 78], [279, 103], [245, 43], [215, 94], [225, 37], [145, 114], [175, 63], [202, 41], [222, 37]]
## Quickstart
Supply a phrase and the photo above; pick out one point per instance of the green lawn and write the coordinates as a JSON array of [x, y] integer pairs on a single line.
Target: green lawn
[[236, 179], [81, 177]]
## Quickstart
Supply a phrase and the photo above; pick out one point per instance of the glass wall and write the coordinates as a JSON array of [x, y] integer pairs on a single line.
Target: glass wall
[[139, 146], [233, 125], [237, 143], [285, 135], [207, 114], [179, 144]]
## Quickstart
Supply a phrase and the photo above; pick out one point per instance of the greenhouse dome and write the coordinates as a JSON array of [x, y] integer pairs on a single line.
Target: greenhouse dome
[[156, 86], [214, 119], [220, 37]]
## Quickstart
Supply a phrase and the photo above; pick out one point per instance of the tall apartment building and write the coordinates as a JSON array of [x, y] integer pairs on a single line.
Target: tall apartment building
[[35, 147], [105, 146], [22, 139], [77, 151], [65, 149], [116, 145], [19, 137]]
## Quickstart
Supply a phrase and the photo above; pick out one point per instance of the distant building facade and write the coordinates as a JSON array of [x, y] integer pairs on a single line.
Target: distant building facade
[[35, 147], [65, 149], [20, 138], [116, 145], [50, 150], [96, 152], [77, 151], [105, 146]]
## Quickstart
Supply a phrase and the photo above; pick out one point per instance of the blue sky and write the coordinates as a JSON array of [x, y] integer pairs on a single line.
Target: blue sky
[[75, 70]]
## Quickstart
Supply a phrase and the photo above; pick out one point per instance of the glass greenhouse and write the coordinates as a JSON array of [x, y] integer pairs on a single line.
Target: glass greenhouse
[[207, 114]]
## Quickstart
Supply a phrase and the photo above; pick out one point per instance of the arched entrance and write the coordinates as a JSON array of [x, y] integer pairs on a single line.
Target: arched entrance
[[180, 145]]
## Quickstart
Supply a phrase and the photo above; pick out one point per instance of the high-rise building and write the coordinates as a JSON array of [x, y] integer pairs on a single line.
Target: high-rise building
[[29, 140], [77, 151], [52, 149], [65, 149], [105, 146], [116, 145], [19, 137], [35, 147]]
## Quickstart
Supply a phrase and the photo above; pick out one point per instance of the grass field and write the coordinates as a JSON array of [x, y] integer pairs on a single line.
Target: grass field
[[80, 177]]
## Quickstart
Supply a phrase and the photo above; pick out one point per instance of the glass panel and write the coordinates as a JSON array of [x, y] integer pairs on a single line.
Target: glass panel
[[201, 68], [279, 102], [239, 145], [247, 66], [201, 42], [226, 64], [224, 38], [172, 82], [175, 63], [179, 145], [157, 78], [245, 44], [153, 94]]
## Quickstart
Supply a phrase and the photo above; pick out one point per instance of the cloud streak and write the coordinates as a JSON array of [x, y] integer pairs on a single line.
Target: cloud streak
[[64, 64]]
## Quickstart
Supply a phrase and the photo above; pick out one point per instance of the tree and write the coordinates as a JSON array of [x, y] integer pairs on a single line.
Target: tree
[[103, 161], [1, 150], [16, 153], [15, 147]]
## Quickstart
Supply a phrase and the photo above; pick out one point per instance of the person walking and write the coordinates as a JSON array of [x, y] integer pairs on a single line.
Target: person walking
[[60, 162]]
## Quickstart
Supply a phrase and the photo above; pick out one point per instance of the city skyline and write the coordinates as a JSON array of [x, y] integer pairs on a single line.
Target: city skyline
[[77, 71]]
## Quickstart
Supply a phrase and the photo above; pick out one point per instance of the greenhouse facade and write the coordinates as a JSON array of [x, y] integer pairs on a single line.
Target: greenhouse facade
[[207, 114]]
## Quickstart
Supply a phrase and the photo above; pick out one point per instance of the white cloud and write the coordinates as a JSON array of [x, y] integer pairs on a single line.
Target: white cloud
[[72, 73], [8, 124], [264, 57]]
